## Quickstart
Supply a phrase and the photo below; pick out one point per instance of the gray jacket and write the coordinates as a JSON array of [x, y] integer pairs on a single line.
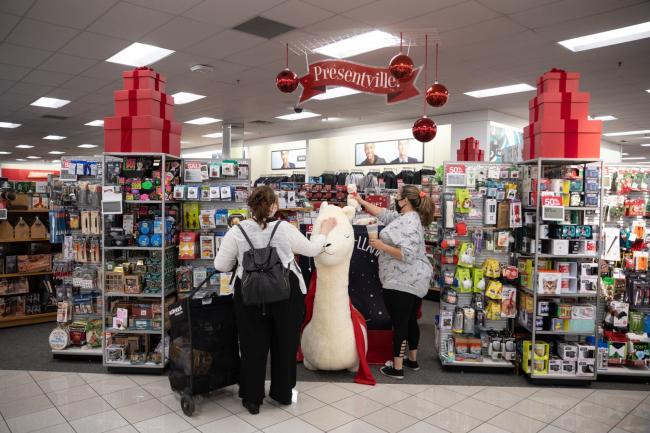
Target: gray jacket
[[413, 273]]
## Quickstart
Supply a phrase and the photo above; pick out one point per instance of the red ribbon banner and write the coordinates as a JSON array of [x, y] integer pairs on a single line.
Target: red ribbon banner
[[366, 79]]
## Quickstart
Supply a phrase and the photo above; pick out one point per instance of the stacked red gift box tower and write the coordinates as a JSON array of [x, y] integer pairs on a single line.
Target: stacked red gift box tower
[[469, 150], [144, 116], [559, 127]]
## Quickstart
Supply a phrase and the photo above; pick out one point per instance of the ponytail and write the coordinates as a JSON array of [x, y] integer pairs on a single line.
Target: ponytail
[[420, 201]]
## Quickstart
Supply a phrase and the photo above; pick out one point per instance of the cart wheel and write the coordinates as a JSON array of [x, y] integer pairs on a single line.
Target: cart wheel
[[187, 403]]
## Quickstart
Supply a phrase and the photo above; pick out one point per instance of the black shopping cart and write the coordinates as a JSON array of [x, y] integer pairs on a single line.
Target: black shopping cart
[[204, 351]]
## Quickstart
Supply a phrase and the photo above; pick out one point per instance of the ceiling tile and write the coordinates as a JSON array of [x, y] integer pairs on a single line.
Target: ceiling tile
[[7, 23], [336, 25], [68, 64], [37, 34], [4, 85], [225, 43], [47, 78], [129, 21], [32, 90], [94, 46], [453, 17], [174, 7], [71, 94], [513, 6], [339, 6], [22, 56], [16, 7], [14, 73], [384, 12], [85, 84], [78, 14], [259, 55], [105, 71], [483, 31], [180, 33], [296, 13], [214, 12]]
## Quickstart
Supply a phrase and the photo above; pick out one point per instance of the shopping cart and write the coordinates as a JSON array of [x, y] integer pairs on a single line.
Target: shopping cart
[[204, 351]]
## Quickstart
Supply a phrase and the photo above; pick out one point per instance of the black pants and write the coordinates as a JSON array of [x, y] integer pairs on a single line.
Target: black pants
[[278, 330], [403, 310]]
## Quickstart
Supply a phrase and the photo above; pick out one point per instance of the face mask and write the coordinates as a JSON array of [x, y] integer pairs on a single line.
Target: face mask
[[398, 207]]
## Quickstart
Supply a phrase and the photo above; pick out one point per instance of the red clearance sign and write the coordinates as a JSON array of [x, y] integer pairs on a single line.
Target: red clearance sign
[[367, 79]]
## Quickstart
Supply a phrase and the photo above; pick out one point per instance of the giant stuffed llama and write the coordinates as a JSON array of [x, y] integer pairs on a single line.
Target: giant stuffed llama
[[336, 336]]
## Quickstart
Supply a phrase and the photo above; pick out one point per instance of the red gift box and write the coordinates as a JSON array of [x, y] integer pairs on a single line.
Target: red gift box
[[143, 102], [561, 145], [141, 134], [557, 80], [143, 78], [559, 106]]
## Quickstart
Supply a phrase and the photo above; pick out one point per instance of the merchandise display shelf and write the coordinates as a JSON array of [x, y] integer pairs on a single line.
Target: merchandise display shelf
[[136, 295], [78, 351], [624, 371], [26, 240], [562, 377], [561, 295], [129, 365], [150, 202], [484, 362], [28, 210], [134, 331], [29, 319], [25, 274], [139, 248]]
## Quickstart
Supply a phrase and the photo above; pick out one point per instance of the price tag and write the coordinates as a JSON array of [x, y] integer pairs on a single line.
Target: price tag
[[455, 175], [552, 209]]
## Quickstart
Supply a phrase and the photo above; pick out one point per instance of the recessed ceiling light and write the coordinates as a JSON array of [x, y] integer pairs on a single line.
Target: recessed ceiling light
[[87, 146], [297, 116], [54, 137], [203, 121], [181, 98], [621, 133], [335, 92], [50, 102], [610, 37], [624, 153], [645, 145], [358, 44], [24, 146], [138, 54], [213, 135], [503, 90], [633, 158], [648, 90], [33, 157], [55, 152], [21, 159], [603, 118], [3, 152], [95, 123], [9, 125]]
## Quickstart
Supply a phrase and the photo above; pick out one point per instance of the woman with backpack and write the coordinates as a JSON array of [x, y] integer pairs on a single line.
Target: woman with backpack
[[269, 295]]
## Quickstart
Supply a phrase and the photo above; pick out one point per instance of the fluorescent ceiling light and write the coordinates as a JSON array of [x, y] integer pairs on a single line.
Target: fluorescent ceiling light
[[95, 123], [9, 125], [3, 152], [603, 118], [203, 121], [624, 153], [335, 92], [50, 102], [55, 152], [54, 137], [24, 146], [610, 37], [33, 157], [619, 134], [633, 158], [331, 119], [213, 135], [358, 44], [297, 116], [645, 145], [648, 90], [503, 90], [21, 159], [138, 54], [87, 146], [181, 98]]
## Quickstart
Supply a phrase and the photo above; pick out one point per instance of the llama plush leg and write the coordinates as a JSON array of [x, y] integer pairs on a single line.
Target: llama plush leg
[[355, 368], [308, 365]]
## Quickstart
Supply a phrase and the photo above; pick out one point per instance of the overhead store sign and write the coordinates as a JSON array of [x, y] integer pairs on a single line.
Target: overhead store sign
[[366, 79]]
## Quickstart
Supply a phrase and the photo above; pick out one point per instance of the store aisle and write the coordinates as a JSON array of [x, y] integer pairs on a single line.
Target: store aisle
[[85, 402]]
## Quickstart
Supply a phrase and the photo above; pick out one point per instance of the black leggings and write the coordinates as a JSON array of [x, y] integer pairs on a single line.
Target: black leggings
[[403, 309], [277, 330]]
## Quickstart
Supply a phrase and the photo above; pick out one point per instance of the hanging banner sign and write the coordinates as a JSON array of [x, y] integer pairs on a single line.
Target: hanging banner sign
[[368, 79]]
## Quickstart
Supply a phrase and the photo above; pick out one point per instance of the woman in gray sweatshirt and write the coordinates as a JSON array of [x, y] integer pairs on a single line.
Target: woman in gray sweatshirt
[[404, 270]]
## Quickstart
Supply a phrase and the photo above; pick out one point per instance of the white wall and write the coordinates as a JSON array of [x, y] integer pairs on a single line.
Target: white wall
[[260, 157]]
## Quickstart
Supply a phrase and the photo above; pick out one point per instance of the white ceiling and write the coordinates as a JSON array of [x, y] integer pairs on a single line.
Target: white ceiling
[[57, 48]]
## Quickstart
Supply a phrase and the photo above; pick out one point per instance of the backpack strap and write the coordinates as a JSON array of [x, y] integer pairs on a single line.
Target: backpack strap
[[246, 236], [275, 228]]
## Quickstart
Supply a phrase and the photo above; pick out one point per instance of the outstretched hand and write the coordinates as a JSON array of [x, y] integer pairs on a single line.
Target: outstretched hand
[[328, 225]]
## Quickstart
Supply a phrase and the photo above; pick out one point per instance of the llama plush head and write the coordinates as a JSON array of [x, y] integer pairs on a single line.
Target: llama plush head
[[340, 241]]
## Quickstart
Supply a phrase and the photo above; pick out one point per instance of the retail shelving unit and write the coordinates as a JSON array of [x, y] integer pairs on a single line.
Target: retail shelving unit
[[155, 265], [539, 177]]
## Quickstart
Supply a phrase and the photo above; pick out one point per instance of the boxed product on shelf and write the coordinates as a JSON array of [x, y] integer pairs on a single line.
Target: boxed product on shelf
[[549, 282], [34, 263], [569, 367], [187, 247], [586, 367]]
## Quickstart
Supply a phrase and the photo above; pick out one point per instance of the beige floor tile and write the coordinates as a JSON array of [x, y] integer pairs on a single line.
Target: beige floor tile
[[552, 429], [61, 428], [358, 405], [25, 406], [454, 422], [417, 407], [35, 421], [302, 403], [353, 387], [205, 412], [127, 397], [84, 408], [516, 423], [634, 424], [618, 400], [497, 396], [488, 428], [169, 423], [125, 429], [99, 423], [71, 395], [442, 396], [292, 425], [579, 424], [536, 410], [268, 416], [304, 386], [580, 393], [159, 388], [3, 427], [173, 401], [231, 424], [357, 426], [385, 395], [144, 379], [143, 411], [18, 392], [61, 383], [477, 409], [114, 384], [15, 379], [42, 376], [642, 410], [329, 393], [603, 414], [423, 427], [465, 390], [408, 388], [327, 418], [553, 398], [390, 420], [232, 404]]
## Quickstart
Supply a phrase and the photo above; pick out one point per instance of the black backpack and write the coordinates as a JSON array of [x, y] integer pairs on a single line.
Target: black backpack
[[264, 279]]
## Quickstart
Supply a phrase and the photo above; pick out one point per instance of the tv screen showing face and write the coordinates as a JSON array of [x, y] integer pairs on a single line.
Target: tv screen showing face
[[288, 159], [403, 151]]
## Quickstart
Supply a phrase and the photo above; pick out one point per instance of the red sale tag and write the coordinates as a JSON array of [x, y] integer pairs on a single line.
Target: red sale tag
[[552, 200], [455, 169]]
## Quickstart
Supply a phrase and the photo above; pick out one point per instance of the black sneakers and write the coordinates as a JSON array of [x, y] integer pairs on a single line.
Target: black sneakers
[[412, 365], [253, 408], [389, 371]]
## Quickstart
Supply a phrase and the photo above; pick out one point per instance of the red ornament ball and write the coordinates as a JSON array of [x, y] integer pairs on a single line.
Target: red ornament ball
[[401, 67], [437, 95], [286, 81], [424, 129]]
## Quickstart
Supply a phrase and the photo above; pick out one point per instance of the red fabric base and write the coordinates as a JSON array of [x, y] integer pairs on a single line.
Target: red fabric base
[[380, 346]]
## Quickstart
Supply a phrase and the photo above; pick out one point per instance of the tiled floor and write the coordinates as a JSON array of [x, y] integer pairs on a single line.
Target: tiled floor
[[50, 402]]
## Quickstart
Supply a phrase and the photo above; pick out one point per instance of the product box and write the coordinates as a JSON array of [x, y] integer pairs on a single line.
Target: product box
[[567, 352], [207, 246], [143, 78], [34, 263], [143, 102], [586, 352], [187, 245], [555, 246], [588, 284], [569, 367], [142, 311], [549, 283], [555, 366], [586, 367], [142, 134]]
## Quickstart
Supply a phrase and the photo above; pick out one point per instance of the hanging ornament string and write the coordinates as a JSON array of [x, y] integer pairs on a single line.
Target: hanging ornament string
[[436, 63], [400, 42], [426, 70], [286, 57]]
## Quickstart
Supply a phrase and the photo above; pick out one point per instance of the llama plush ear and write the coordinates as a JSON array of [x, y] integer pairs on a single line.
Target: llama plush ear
[[323, 205], [349, 211]]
